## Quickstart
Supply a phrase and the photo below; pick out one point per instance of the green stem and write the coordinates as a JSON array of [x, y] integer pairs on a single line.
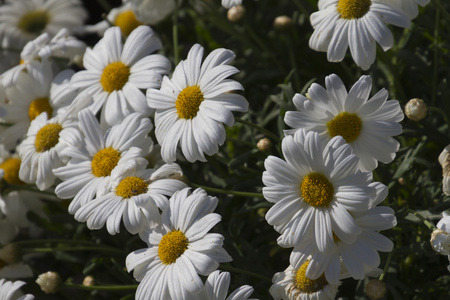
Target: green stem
[[229, 192], [386, 265], [252, 274], [175, 35], [265, 131], [105, 5], [18, 187], [436, 57], [424, 221], [45, 241], [101, 287]]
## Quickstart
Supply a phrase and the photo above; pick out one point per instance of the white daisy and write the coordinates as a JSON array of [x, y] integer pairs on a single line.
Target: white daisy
[[152, 11], [366, 124], [42, 149], [231, 3], [358, 24], [136, 194], [62, 45], [358, 257], [23, 20], [292, 284], [10, 290], [191, 107], [440, 238], [95, 154], [115, 73], [180, 249], [216, 288], [410, 7], [315, 191], [33, 93]]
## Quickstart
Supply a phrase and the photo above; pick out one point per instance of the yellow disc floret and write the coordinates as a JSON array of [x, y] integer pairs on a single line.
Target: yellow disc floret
[[317, 190], [34, 22], [353, 9], [127, 22], [306, 285], [47, 137], [104, 161], [11, 167], [346, 125], [114, 76], [188, 102], [172, 246], [131, 186], [38, 106]]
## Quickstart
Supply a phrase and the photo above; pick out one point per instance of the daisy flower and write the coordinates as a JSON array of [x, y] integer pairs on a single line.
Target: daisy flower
[[10, 290], [94, 155], [23, 20], [410, 7], [191, 107], [315, 190], [440, 238], [34, 93], [41, 151], [152, 11], [292, 284], [216, 288], [115, 73], [230, 3], [358, 24], [367, 125], [136, 196], [358, 257], [444, 161], [180, 249]]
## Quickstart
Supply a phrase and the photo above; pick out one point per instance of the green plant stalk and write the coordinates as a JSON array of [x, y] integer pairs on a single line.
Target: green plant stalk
[[176, 54], [386, 265], [436, 56], [265, 131], [73, 249], [252, 274], [229, 192], [101, 287]]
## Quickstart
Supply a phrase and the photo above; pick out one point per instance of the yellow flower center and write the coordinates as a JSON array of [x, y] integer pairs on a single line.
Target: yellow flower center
[[127, 22], [346, 125], [172, 246], [34, 22], [131, 186], [47, 137], [104, 161], [38, 106], [353, 9], [306, 285], [317, 190], [11, 167], [114, 76], [188, 102]]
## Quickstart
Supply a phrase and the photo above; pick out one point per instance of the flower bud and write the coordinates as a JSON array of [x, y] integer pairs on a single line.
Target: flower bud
[[236, 13], [416, 109], [9, 254], [89, 281], [49, 282], [282, 22], [444, 160], [375, 289], [440, 241], [264, 144]]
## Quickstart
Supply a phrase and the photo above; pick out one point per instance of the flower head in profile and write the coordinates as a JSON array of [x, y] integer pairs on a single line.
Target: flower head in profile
[[116, 73], [366, 124], [358, 24], [230, 3], [216, 288], [179, 249], [440, 238], [192, 106], [10, 290], [316, 191], [292, 284]]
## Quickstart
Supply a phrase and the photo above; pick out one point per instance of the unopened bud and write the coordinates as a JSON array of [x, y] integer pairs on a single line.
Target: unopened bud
[[416, 109], [375, 289], [282, 22], [264, 144], [89, 281], [440, 241], [10, 254], [236, 13], [444, 160], [49, 282]]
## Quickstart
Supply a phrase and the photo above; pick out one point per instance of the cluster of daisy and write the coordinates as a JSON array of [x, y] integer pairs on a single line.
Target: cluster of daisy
[[84, 135], [325, 200]]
